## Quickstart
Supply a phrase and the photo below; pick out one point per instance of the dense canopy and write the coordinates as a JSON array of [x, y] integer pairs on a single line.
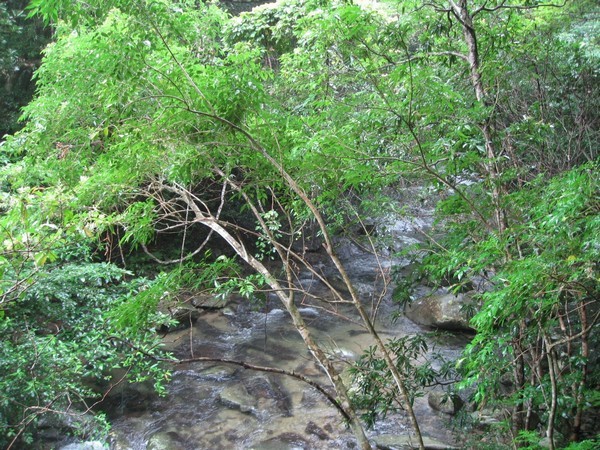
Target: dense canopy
[[167, 131]]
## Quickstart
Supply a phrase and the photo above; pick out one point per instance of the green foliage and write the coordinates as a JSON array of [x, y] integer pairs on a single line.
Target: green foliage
[[141, 307], [60, 340], [373, 389], [154, 117], [264, 244], [270, 26], [553, 276], [590, 444]]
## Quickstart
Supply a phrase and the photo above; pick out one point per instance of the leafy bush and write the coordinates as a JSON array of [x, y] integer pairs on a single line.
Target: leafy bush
[[60, 343]]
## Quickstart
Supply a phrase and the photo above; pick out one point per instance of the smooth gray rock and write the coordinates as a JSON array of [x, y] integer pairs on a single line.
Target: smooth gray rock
[[443, 311], [209, 302], [219, 372], [236, 396], [165, 441]]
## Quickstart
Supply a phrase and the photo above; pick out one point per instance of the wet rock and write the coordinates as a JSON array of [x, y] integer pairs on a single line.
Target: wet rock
[[314, 429], [270, 395], [184, 314], [443, 311], [227, 311], [219, 373], [404, 442], [276, 312], [209, 302], [347, 354], [58, 428], [236, 396], [119, 442], [90, 445], [309, 312], [444, 402], [285, 441], [165, 441]]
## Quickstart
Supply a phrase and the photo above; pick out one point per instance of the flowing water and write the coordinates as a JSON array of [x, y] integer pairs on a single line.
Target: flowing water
[[213, 405], [221, 406]]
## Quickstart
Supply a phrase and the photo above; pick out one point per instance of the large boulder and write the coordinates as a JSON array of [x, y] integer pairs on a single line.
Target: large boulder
[[209, 301], [447, 403], [442, 311]]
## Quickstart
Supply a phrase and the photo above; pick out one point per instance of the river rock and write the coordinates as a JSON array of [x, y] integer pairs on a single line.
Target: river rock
[[219, 372], [209, 301], [236, 396], [270, 394], [57, 428], [119, 442], [444, 402], [404, 442], [285, 441], [165, 441], [443, 311], [314, 429]]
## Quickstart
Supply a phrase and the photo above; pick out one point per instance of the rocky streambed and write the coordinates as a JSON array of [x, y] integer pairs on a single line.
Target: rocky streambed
[[216, 405], [212, 405]]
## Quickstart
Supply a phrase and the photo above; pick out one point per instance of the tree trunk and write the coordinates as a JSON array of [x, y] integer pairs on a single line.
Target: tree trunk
[[398, 379], [461, 12], [580, 385], [552, 408], [518, 414]]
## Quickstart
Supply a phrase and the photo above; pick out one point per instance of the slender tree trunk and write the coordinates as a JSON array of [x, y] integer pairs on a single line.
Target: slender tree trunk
[[398, 379], [552, 408], [518, 414], [580, 386], [461, 12]]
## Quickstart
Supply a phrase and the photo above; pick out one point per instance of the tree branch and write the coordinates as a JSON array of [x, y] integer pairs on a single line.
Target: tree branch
[[289, 373]]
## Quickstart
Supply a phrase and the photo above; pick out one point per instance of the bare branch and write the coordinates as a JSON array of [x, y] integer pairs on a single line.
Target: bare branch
[[503, 5], [289, 373]]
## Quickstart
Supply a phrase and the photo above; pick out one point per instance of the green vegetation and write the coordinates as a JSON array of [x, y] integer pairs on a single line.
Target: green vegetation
[[168, 120]]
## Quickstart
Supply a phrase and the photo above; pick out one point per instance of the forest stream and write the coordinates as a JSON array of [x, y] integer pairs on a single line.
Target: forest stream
[[223, 406]]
